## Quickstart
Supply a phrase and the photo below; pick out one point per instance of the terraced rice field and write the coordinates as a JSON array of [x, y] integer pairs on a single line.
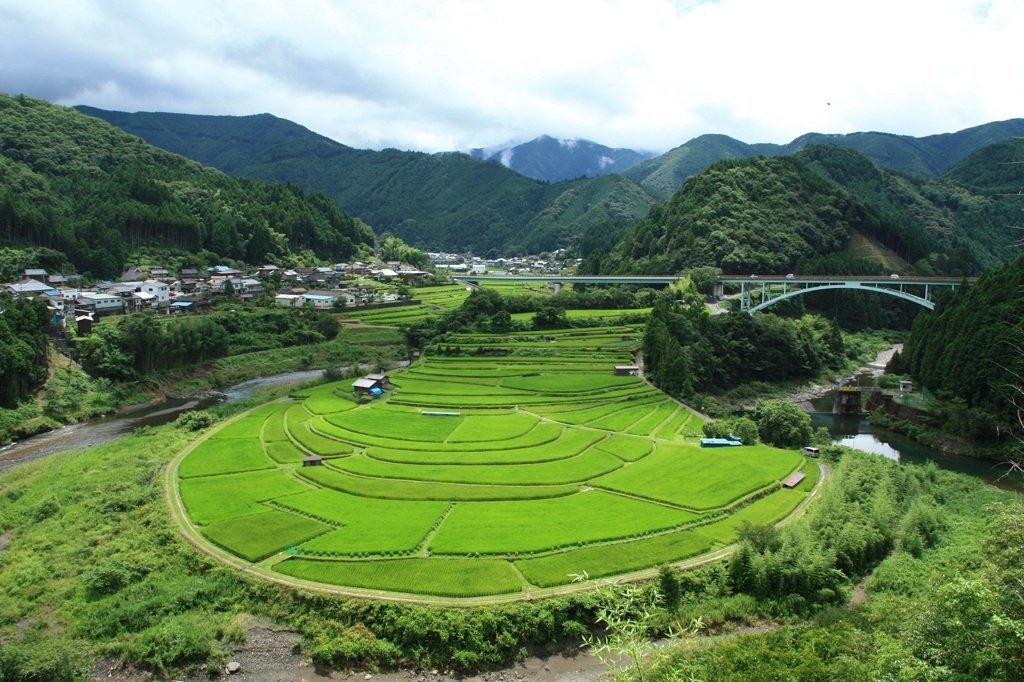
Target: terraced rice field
[[547, 471]]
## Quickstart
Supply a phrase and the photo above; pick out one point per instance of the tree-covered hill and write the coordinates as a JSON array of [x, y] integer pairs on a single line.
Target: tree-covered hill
[[223, 142], [78, 185], [781, 214], [939, 225], [926, 157], [744, 216], [663, 175], [993, 170], [433, 201]]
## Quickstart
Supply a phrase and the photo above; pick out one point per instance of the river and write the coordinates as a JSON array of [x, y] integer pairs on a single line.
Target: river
[[857, 432], [103, 429]]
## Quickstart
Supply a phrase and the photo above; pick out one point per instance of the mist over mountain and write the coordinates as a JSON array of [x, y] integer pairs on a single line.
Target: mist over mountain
[[550, 159]]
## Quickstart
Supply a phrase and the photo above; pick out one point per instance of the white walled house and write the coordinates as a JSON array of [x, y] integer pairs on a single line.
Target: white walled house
[[290, 300], [105, 304], [161, 291], [321, 302]]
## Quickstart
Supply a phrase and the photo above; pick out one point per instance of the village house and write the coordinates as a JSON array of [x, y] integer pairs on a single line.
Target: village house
[[27, 287], [411, 276], [268, 271], [381, 379], [321, 301], [290, 300], [189, 304], [159, 290], [101, 304], [133, 274]]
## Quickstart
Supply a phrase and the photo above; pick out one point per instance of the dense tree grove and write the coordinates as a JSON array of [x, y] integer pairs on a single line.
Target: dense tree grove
[[687, 351], [22, 348], [391, 248], [75, 184], [132, 346], [782, 424], [969, 347]]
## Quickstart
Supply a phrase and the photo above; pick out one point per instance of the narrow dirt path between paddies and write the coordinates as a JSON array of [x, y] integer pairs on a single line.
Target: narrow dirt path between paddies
[[264, 568]]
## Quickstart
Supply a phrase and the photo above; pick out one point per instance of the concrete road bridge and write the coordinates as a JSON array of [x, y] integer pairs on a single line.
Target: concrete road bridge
[[757, 292]]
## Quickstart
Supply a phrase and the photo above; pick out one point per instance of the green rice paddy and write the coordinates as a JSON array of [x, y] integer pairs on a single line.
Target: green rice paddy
[[549, 470]]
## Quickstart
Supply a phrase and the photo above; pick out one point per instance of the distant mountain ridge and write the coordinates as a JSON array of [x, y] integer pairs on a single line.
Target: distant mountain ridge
[[925, 157], [444, 201], [227, 143], [553, 160], [454, 202]]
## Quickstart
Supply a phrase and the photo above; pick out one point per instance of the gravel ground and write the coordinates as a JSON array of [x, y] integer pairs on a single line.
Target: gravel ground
[[268, 655]]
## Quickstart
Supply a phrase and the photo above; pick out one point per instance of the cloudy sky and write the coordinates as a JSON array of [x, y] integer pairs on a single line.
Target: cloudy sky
[[439, 75]]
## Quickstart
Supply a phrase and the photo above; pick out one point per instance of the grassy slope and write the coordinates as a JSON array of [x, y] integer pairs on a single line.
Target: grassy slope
[[871, 250], [71, 396]]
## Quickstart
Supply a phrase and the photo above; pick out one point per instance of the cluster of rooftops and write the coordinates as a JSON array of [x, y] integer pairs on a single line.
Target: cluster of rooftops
[[185, 290]]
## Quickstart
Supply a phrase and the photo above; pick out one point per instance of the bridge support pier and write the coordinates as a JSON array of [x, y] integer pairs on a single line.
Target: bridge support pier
[[555, 287], [719, 291]]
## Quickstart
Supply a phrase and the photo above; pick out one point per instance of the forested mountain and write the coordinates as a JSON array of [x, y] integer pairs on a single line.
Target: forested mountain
[[997, 169], [553, 160], [75, 184], [453, 202], [938, 225], [432, 201], [925, 157], [778, 215], [744, 216], [223, 142]]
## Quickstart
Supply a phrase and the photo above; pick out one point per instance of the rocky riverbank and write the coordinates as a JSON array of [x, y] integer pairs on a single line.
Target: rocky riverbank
[[875, 368]]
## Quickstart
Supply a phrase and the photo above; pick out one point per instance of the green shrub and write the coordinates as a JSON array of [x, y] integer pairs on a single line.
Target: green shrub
[[196, 420], [45, 660], [174, 642], [332, 644]]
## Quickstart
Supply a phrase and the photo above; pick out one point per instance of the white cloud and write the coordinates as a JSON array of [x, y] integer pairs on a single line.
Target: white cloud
[[457, 74]]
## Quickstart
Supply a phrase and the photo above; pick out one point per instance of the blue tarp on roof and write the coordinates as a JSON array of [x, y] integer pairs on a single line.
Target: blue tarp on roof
[[376, 391]]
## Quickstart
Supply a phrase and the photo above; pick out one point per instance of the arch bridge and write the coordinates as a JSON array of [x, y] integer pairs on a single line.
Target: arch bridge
[[757, 292]]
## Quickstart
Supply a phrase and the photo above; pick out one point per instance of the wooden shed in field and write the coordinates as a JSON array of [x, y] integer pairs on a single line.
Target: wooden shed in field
[[368, 386], [794, 480]]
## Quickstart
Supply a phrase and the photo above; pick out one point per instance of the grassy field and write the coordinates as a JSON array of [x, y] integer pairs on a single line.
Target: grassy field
[[548, 467], [598, 561], [439, 577]]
